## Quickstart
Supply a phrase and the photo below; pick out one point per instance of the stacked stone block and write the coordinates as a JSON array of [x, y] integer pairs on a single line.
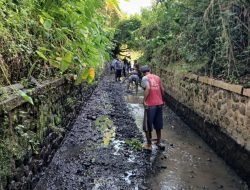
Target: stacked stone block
[[219, 103]]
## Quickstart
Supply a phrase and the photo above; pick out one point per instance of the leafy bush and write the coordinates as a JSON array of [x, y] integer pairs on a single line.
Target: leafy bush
[[213, 32], [46, 38]]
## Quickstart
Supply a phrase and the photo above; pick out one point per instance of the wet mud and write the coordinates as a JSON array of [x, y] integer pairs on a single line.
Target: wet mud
[[103, 151], [96, 154], [187, 163]]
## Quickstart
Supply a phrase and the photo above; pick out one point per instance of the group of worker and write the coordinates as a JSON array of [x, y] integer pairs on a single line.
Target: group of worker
[[153, 100], [120, 67], [123, 67]]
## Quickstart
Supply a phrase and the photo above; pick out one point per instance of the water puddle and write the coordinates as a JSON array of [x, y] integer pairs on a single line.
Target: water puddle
[[104, 183], [129, 174], [134, 99], [97, 186], [135, 105], [118, 146], [131, 158]]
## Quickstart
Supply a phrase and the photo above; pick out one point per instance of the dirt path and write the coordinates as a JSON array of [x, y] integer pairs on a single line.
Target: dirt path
[[94, 154]]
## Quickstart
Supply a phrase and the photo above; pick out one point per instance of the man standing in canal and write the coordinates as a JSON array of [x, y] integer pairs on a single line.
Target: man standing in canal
[[118, 69], [153, 102]]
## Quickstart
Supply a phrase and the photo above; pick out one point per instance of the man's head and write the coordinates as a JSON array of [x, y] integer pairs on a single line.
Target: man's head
[[145, 69]]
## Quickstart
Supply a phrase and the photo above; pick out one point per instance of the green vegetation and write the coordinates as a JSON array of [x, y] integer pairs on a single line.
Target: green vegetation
[[134, 144], [103, 122], [106, 126], [212, 35], [42, 40], [46, 38], [123, 37]]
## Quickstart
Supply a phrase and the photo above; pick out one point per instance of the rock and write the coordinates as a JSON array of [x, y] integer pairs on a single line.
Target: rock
[[12, 185], [23, 179], [161, 147], [163, 167], [220, 186], [242, 109], [93, 117], [112, 114], [36, 165], [18, 185], [29, 177], [35, 180], [19, 174], [49, 159], [142, 187], [78, 172], [26, 170]]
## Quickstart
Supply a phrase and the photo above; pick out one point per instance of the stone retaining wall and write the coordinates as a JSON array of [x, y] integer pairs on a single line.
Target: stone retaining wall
[[218, 111], [29, 135]]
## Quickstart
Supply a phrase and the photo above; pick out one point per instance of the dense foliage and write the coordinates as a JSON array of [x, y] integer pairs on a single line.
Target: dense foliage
[[39, 40], [124, 35], [45, 38], [212, 33]]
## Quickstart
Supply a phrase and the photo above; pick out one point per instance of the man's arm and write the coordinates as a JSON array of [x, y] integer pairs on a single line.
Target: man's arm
[[162, 92], [162, 89], [145, 85], [146, 92]]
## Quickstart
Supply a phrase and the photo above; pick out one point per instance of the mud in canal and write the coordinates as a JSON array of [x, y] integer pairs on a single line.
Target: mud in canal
[[103, 151], [187, 162]]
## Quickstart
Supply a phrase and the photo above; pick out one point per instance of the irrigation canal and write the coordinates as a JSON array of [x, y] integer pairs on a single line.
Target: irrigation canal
[[102, 151]]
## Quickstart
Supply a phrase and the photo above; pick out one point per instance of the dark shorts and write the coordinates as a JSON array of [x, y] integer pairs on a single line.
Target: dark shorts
[[118, 73], [153, 117], [112, 67]]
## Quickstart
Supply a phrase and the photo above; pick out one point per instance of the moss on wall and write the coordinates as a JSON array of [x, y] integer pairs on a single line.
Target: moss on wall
[[24, 128]]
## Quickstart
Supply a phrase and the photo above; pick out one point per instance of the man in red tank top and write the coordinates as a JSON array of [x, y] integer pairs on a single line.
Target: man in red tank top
[[153, 102]]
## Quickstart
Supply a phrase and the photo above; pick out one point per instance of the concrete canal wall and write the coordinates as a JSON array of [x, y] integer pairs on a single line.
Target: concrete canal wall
[[29, 135], [218, 111]]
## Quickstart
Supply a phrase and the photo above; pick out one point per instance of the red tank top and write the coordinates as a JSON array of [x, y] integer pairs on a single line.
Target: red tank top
[[155, 96]]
